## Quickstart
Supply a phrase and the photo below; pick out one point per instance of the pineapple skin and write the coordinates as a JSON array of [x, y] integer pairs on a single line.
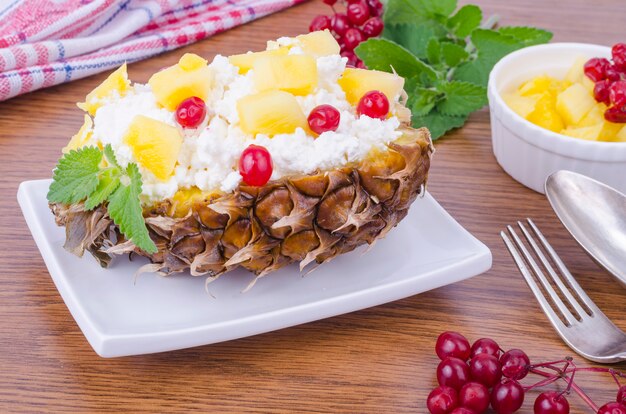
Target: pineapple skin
[[311, 218]]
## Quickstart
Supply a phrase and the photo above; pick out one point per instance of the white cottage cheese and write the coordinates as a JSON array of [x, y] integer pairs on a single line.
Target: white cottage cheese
[[209, 155]]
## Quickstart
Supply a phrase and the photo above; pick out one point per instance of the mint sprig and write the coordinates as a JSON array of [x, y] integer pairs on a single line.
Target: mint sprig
[[81, 176], [445, 56]]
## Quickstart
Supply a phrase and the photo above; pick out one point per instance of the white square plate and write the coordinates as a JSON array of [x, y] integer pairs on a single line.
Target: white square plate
[[119, 317]]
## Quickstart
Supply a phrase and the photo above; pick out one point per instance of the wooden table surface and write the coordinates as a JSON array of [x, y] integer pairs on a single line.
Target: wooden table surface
[[375, 360]]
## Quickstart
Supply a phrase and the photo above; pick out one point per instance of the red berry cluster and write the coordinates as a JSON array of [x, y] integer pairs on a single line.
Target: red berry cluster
[[471, 378], [610, 82], [358, 22]]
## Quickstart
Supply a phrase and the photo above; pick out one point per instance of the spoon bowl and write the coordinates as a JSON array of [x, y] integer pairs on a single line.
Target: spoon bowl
[[595, 215]]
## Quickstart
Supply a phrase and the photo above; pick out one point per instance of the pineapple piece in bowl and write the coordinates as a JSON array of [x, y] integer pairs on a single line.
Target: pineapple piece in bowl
[[266, 177]]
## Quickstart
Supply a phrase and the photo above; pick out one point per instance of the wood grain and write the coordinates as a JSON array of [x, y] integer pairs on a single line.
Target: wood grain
[[375, 360]]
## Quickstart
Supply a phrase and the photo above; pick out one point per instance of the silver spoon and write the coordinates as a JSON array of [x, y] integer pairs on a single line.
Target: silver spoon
[[595, 214]]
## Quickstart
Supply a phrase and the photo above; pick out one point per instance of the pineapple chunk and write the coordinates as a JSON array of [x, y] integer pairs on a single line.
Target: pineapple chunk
[[589, 133], [609, 131], [245, 61], [357, 82], [545, 114], [82, 136], [522, 105], [155, 145], [543, 84], [588, 84], [621, 135], [595, 116], [574, 103], [272, 112], [184, 199], [296, 74], [320, 43], [116, 81], [576, 72], [190, 77]]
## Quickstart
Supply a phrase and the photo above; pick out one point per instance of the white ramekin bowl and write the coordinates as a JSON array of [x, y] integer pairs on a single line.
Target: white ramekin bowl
[[529, 153]]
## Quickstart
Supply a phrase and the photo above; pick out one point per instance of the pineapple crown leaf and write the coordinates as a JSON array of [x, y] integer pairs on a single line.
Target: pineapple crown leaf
[[444, 56], [81, 176]]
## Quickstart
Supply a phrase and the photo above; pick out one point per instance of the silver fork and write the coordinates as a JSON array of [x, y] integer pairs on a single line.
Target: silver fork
[[586, 330]]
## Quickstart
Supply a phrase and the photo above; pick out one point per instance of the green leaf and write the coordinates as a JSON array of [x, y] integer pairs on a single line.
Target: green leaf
[[433, 51], [491, 46], [75, 176], [462, 98], [527, 36], [438, 123], [125, 210], [412, 36], [108, 182], [465, 20], [411, 11], [453, 54], [110, 155], [388, 56]]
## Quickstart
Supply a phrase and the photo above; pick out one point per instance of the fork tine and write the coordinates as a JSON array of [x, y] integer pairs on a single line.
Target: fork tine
[[546, 264], [566, 273], [530, 280], [542, 278]]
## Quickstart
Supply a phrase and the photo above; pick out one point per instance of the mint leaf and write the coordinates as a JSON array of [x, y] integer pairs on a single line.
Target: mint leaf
[[438, 123], [110, 155], [462, 98], [465, 20], [453, 54], [411, 11], [75, 176], [385, 55], [423, 100], [125, 210], [433, 51], [526, 36], [414, 37], [108, 182], [491, 46]]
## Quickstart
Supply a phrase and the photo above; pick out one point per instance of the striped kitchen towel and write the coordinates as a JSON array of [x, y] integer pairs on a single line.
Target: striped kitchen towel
[[47, 42]]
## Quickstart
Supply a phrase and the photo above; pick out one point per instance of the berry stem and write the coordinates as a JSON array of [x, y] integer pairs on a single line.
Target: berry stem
[[575, 387]]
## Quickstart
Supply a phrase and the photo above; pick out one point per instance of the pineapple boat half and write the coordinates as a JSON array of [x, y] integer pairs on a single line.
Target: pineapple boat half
[[255, 160]]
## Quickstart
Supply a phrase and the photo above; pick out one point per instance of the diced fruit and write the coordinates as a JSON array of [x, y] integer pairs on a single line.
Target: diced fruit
[[324, 118], [255, 165], [190, 77], [522, 105], [82, 136], [245, 61], [320, 43], [272, 112], [545, 114], [296, 74], [590, 133], [588, 84], [373, 104], [357, 82], [576, 72], [543, 84], [594, 117], [115, 82], [621, 135], [609, 131], [574, 103], [155, 145]]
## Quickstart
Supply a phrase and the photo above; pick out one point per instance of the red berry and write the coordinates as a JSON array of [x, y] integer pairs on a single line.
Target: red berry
[[601, 91], [330, 2], [453, 372], [452, 344], [360, 64], [324, 118], [340, 23], [618, 51], [442, 400], [551, 402], [612, 74], [474, 396], [595, 68], [352, 59], [612, 408], [358, 13], [190, 112], [515, 364], [616, 115], [373, 27], [507, 397], [485, 368], [319, 23], [376, 105], [376, 7], [617, 94], [352, 38], [462, 410], [485, 346], [255, 165], [621, 395]]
